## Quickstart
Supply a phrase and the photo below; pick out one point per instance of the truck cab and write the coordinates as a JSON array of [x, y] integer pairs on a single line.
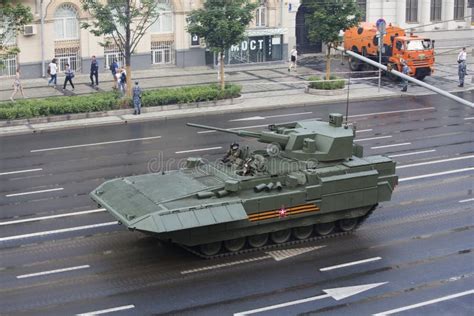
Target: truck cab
[[417, 51]]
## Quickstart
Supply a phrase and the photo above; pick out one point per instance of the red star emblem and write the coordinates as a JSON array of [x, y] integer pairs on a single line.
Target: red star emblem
[[282, 212]]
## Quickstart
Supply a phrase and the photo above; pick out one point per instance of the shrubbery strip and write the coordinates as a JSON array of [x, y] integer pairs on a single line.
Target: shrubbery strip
[[322, 84], [107, 101]]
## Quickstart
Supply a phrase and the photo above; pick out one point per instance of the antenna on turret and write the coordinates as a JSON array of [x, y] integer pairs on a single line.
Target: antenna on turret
[[347, 102]]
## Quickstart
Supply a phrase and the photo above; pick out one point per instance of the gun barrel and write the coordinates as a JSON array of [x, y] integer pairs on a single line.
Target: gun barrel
[[230, 131]]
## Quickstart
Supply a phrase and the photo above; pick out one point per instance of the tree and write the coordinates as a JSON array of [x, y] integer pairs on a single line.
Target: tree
[[222, 24], [122, 21], [325, 19], [12, 19]]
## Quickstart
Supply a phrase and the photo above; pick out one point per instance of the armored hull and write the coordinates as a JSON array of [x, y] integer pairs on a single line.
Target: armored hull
[[261, 198]]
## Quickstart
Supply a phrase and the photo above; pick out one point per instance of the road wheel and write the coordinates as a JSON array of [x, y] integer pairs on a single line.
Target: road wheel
[[347, 224], [211, 249], [324, 229], [303, 232], [280, 236], [234, 245], [257, 241]]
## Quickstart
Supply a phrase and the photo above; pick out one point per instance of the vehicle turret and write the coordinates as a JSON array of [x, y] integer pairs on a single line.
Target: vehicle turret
[[304, 140]]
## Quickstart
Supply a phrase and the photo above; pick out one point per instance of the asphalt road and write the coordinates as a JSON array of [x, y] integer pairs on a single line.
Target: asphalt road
[[60, 255]]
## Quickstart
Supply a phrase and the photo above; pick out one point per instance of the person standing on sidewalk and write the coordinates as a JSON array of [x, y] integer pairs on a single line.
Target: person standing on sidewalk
[[113, 69], [69, 75], [53, 72], [123, 81], [94, 71], [462, 67], [137, 99], [293, 58], [17, 85], [405, 71]]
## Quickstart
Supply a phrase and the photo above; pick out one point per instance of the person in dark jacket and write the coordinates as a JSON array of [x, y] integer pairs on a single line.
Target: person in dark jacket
[[69, 75], [113, 69], [137, 99], [405, 71], [94, 71]]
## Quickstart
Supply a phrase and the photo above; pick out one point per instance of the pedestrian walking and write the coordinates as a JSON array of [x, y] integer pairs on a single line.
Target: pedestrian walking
[[462, 66], [69, 76], [405, 71], [53, 72], [113, 69], [137, 99], [94, 71], [123, 81], [17, 85], [293, 58]]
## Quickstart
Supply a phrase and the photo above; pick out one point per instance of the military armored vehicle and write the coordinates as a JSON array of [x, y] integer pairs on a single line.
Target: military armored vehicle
[[311, 181]]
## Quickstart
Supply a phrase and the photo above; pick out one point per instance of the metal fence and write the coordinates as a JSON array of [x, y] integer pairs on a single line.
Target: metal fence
[[162, 52], [69, 54], [111, 53], [8, 65]]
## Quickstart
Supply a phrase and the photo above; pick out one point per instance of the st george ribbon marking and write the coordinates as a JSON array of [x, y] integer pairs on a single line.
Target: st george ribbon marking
[[336, 293]]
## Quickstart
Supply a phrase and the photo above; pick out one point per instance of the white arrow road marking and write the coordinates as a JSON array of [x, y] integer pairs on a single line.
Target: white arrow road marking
[[34, 192], [196, 150], [276, 255], [109, 310], [413, 153], [96, 144], [58, 231], [350, 264], [52, 272], [436, 174], [257, 118], [444, 298], [435, 161], [34, 219], [336, 293], [20, 171]]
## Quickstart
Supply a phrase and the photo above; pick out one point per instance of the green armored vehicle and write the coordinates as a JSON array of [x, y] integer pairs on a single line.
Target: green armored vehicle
[[310, 181]]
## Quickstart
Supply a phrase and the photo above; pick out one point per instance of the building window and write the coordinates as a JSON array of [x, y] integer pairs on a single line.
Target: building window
[[162, 52], [8, 65], [68, 55], [412, 11], [435, 12], [260, 16], [66, 25], [164, 24], [363, 8], [111, 53], [459, 9]]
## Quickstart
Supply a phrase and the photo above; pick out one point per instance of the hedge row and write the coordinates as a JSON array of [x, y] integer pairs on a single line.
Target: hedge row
[[111, 100], [321, 83]]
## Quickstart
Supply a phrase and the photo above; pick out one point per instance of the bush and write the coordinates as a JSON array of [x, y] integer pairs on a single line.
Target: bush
[[322, 84], [111, 101]]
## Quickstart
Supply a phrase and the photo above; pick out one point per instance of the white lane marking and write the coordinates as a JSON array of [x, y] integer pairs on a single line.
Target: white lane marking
[[34, 192], [413, 153], [218, 266], [466, 200], [196, 150], [57, 231], [26, 220], [364, 130], [255, 118], [20, 171], [96, 144], [469, 118], [109, 310], [393, 145], [392, 112], [372, 138], [336, 293], [52, 272], [435, 174], [350, 264], [440, 299], [435, 161]]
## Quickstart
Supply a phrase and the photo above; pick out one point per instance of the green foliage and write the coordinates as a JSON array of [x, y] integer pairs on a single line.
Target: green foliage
[[222, 23], [12, 18], [325, 19], [112, 101], [320, 83]]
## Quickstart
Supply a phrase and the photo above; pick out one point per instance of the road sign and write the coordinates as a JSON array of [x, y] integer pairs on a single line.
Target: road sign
[[381, 25]]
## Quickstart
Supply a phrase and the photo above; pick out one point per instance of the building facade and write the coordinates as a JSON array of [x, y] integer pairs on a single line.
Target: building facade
[[278, 26]]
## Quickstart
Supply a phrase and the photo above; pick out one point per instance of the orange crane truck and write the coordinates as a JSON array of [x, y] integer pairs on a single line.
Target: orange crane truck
[[418, 52]]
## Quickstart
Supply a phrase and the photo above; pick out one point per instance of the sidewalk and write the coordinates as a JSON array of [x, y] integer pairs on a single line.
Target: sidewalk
[[264, 86]]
